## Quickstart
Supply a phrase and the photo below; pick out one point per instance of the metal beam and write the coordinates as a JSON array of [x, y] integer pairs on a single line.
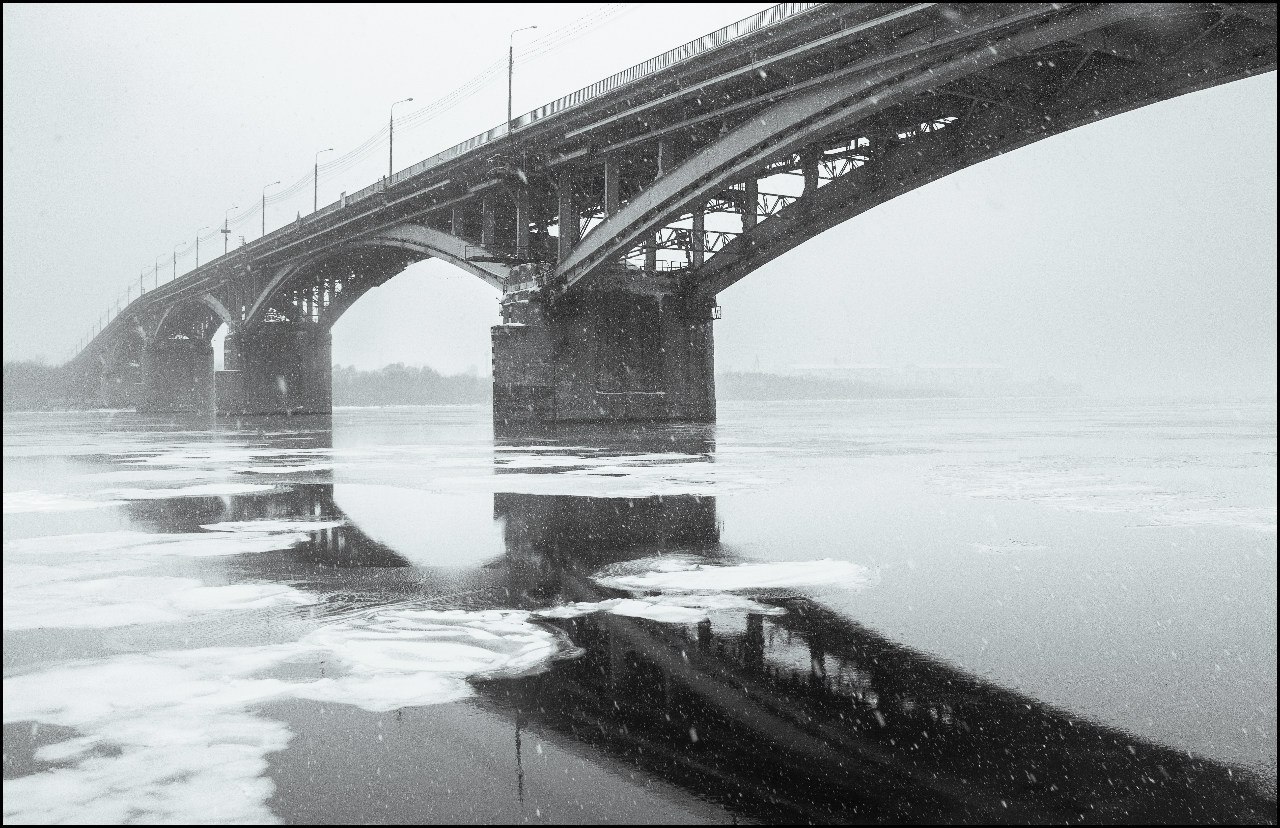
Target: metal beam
[[568, 216], [788, 126]]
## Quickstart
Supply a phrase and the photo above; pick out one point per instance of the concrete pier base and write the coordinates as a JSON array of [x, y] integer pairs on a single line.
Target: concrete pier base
[[613, 355], [177, 375], [277, 368], [118, 389]]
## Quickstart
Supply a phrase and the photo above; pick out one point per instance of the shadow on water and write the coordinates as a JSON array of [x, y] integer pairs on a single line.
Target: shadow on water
[[805, 716]]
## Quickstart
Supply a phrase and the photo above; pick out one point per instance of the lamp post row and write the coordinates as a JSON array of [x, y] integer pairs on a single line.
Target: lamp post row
[[315, 180]]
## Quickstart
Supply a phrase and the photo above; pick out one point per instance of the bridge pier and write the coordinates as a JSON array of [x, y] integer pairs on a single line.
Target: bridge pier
[[277, 368], [627, 352], [177, 375], [118, 388]]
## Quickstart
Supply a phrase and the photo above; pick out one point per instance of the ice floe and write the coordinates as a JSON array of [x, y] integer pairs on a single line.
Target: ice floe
[[201, 490], [145, 544], [33, 501], [403, 657], [685, 575], [687, 608], [273, 525], [133, 599], [165, 736]]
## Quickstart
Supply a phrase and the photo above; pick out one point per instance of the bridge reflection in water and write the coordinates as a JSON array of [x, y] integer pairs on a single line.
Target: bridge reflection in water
[[800, 716], [808, 716]]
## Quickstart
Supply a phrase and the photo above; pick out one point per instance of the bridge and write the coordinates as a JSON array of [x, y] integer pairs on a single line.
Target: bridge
[[611, 218]]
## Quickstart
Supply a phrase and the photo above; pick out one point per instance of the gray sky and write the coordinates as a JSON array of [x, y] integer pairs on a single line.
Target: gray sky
[[1136, 254]]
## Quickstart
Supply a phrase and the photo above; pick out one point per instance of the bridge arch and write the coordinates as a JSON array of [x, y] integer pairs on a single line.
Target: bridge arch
[[196, 319], [323, 285], [904, 119]]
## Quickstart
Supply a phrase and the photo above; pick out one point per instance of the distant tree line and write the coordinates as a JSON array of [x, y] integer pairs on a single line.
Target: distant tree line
[[400, 384], [35, 386], [748, 385]]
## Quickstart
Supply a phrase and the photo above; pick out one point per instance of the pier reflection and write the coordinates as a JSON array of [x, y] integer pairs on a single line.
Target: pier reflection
[[801, 716], [333, 547]]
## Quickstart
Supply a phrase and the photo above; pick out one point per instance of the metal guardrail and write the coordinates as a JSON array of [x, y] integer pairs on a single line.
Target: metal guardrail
[[720, 37], [734, 31], [702, 45]]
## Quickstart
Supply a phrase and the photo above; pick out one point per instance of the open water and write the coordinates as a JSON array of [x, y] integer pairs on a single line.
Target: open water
[[956, 610]]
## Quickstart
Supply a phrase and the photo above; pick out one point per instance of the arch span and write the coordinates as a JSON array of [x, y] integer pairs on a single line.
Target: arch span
[[882, 126], [323, 277]]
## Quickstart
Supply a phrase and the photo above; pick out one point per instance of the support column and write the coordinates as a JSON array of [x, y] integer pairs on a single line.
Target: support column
[[666, 156], [809, 165], [609, 355], [488, 223], [177, 375], [522, 223], [523, 376], [699, 237], [752, 198], [283, 368], [568, 215], [121, 384], [611, 188]]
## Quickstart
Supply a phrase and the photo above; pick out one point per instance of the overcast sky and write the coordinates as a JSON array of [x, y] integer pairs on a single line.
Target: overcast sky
[[1135, 254]]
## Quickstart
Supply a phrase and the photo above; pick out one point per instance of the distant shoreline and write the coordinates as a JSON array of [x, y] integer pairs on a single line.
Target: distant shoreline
[[35, 387]]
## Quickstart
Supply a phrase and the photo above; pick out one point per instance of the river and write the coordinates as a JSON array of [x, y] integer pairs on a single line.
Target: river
[[906, 610]]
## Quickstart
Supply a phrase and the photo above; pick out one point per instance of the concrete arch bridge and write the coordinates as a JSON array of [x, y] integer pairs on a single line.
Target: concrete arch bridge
[[610, 219]]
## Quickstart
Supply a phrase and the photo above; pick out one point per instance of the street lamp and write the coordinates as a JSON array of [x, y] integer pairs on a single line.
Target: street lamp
[[315, 181], [511, 67], [226, 231], [175, 260], [264, 205], [206, 227], [391, 137]]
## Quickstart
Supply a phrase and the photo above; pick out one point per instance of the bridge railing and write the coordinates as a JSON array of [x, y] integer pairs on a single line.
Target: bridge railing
[[694, 48], [748, 25], [702, 45]]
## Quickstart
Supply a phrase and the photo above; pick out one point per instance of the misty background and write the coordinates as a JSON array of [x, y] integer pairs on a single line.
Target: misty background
[[1134, 255]]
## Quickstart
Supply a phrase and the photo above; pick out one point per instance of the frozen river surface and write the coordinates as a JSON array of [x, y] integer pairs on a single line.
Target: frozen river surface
[[959, 610]]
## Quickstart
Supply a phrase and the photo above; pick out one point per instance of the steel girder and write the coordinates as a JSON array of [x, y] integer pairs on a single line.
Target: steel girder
[[1183, 49]]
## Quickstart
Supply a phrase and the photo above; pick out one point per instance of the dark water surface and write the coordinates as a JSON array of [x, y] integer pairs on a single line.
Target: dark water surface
[[960, 610]]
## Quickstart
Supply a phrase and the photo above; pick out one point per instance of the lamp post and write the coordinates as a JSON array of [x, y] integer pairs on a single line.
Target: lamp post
[[156, 273], [391, 138], [175, 260], [315, 181], [206, 227], [264, 205], [511, 67], [226, 231]]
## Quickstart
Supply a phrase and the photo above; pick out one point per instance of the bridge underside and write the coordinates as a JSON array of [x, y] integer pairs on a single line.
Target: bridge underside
[[610, 229]]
